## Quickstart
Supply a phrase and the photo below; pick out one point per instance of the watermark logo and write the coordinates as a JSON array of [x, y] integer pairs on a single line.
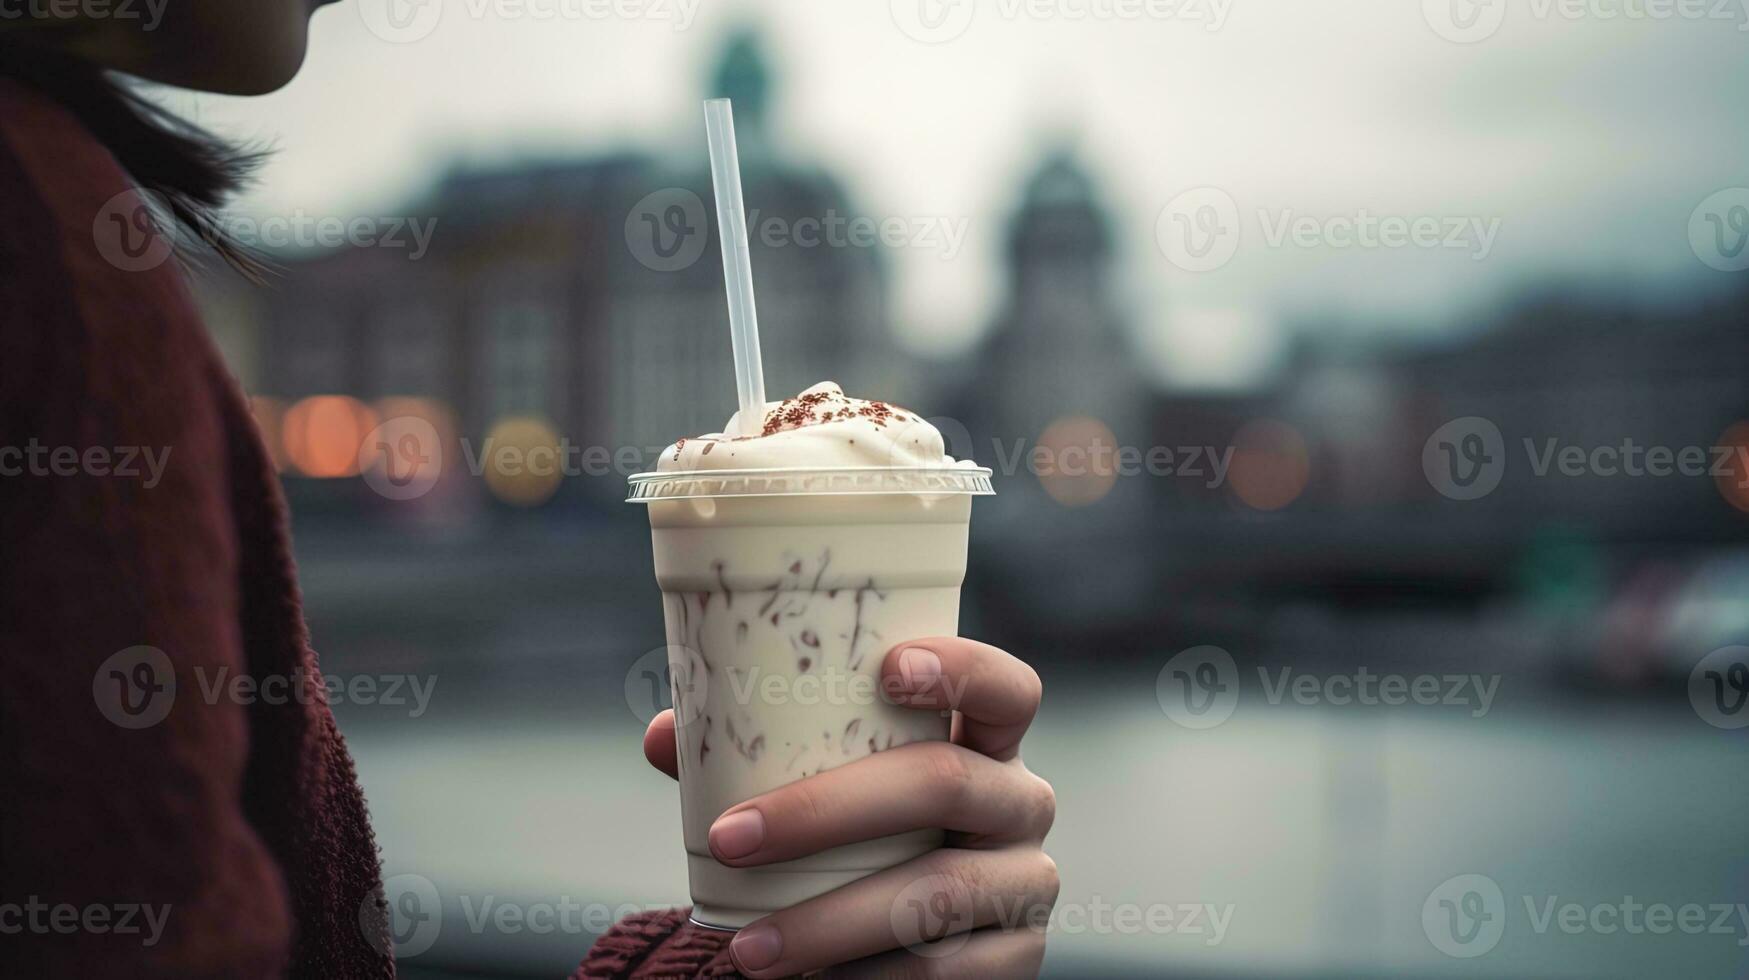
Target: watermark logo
[[407, 917], [133, 231], [144, 463], [933, 21], [1718, 688], [401, 21], [302, 230], [1472, 21], [666, 230], [149, 13], [401, 458], [1718, 230], [938, 233], [1464, 458], [1198, 230], [33, 915], [1464, 916], [932, 916], [1464, 21], [406, 21], [1199, 688], [410, 691], [670, 676], [135, 688]]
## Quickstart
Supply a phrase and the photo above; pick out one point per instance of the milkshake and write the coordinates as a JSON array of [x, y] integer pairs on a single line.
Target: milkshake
[[791, 559]]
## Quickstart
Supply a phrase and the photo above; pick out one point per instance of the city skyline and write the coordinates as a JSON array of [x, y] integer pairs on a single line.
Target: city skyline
[[1150, 117]]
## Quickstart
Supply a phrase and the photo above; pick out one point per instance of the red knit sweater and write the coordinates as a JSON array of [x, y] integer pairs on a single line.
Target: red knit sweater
[[232, 837]]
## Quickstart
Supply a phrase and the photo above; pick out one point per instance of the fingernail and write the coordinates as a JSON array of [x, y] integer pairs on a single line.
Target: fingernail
[[738, 834], [756, 947], [919, 666]]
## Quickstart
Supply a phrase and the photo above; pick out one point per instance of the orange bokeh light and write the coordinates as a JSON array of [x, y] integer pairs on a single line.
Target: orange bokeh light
[[1271, 464], [322, 434], [524, 467], [1078, 464], [1735, 473]]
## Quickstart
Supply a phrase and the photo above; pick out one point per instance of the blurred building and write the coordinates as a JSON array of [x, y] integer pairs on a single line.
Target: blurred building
[[583, 294], [583, 299], [1053, 392]]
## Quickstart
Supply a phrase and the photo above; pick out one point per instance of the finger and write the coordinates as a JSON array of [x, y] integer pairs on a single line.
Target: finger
[[659, 745], [993, 952], [995, 692], [936, 897], [912, 787]]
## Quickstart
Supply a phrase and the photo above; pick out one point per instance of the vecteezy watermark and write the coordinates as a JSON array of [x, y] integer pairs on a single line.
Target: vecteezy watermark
[[143, 463], [402, 457], [408, 917], [1465, 916], [1201, 229], [934, 914], [667, 229], [1471, 21], [34, 915], [672, 676], [303, 230], [410, 691], [1466, 458], [1207, 465], [1718, 688], [678, 677], [405, 919], [940, 21], [1718, 229], [1077, 459], [1200, 688], [406, 21], [134, 232], [935, 233], [148, 14], [136, 688]]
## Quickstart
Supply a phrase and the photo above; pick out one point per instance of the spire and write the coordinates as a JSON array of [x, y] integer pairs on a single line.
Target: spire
[[1060, 217], [741, 75]]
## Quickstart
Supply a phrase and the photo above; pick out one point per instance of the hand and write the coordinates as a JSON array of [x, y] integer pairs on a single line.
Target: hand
[[992, 879]]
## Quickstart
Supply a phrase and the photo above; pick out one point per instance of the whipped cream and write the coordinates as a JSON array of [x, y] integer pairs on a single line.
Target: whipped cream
[[821, 427]]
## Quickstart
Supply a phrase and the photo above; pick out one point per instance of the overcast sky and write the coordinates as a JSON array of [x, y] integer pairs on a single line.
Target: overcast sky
[[1541, 143]]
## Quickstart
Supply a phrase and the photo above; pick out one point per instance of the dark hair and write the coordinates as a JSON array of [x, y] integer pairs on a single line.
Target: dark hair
[[189, 170]]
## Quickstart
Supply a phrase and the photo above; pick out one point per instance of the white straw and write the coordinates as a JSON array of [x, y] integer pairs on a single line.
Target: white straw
[[719, 129]]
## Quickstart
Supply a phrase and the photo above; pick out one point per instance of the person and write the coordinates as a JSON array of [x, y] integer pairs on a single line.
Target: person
[[228, 837]]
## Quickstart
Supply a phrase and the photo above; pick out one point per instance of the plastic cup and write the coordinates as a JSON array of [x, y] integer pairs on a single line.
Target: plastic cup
[[782, 591]]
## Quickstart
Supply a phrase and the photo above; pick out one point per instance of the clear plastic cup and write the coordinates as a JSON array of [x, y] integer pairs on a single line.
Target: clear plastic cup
[[782, 591]]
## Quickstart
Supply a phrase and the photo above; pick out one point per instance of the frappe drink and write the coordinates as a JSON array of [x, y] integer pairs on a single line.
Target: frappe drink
[[790, 562]]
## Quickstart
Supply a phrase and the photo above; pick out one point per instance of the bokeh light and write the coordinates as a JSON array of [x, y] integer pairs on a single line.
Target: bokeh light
[[522, 460], [1735, 472], [1079, 466], [1270, 464], [322, 433]]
